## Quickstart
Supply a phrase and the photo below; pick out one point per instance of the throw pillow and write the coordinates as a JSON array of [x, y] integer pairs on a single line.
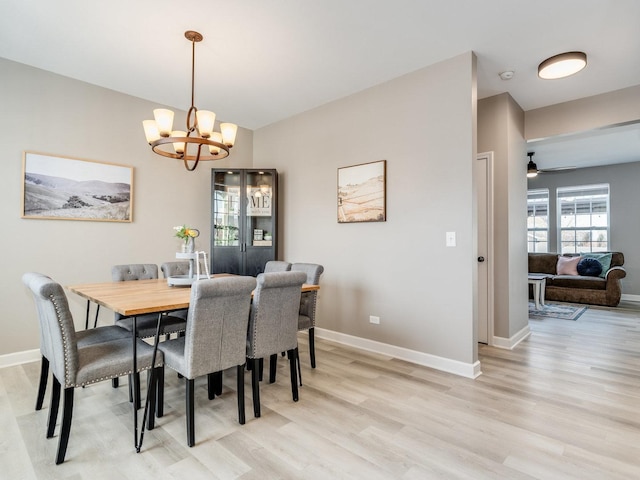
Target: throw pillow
[[603, 258], [567, 265], [589, 267]]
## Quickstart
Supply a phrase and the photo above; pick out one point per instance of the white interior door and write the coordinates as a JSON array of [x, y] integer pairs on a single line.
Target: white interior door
[[484, 189]]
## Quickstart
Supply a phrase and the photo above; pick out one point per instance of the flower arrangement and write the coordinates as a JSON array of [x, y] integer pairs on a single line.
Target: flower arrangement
[[186, 233]]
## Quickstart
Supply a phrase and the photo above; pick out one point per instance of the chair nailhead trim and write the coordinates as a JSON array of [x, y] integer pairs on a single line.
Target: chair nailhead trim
[[65, 342], [121, 374]]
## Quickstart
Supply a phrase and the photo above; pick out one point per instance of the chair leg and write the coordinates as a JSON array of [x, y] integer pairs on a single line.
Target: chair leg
[[53, 407], [292, 368], [136, 389], [42, 388], [260, 368], [152, 392], [211, 390], [240, 392], [115, 382], [218, 382], [312, 348], [255, 387], [273, 364], [298, 364], [66, 425], [190, 415], [160, 392]]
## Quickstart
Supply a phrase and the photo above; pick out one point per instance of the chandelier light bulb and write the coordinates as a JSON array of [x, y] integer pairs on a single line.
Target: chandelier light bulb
[[164, 121]]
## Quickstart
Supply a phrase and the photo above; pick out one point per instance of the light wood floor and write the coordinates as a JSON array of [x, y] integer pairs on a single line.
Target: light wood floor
[[563, 404]]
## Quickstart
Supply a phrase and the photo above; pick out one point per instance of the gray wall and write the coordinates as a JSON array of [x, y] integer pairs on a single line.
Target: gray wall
[[423, 124], [584, 114], [501, 131], [48, 113], [625, 205]]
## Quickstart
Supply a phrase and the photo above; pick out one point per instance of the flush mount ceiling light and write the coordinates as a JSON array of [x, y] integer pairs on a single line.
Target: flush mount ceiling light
[[562, 65], [188, 146]]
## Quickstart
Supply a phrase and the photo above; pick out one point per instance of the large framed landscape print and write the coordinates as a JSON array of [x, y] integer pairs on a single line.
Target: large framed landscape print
[[55, 187], [362, 193]]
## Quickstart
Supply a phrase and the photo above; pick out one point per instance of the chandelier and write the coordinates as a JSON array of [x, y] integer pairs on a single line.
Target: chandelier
[[199, 142]]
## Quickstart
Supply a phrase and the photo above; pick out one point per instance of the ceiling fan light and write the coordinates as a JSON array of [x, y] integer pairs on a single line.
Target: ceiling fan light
[[562, 65], [532, 169]]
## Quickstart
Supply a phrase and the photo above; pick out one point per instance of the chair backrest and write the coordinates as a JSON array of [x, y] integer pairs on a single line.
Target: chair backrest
[[273, 324], [216, 334], [312, 270], [134, 271], [309, 300], [170, 269], [277, 266], [57, 331]]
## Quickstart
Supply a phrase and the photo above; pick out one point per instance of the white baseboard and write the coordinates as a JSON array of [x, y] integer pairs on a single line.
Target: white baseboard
[[512, 342], [18, 358], [627, 297], [467, 370]]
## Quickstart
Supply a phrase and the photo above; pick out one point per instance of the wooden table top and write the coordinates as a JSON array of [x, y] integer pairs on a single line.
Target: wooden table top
[[138, 297]]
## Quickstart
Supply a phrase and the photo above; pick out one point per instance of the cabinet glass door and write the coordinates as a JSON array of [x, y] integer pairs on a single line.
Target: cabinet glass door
[[226, 209], [260, 209]]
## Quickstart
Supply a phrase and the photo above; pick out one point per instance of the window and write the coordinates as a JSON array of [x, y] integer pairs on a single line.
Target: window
[[583, 218], [538, 220]]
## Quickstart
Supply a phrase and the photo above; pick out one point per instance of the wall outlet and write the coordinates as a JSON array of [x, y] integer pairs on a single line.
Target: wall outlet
[[373, 319]]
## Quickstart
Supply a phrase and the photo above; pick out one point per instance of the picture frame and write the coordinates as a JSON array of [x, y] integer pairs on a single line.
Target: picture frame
[[65, 188], [362, 192]]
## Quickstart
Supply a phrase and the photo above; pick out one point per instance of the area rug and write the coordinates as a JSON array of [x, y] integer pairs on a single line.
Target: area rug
[[564, 311]]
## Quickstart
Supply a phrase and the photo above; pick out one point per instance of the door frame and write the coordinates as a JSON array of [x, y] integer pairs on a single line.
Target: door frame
[[488, 156]]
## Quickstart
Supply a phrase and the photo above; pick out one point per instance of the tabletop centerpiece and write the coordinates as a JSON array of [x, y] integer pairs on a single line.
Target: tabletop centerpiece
[[189, 235]]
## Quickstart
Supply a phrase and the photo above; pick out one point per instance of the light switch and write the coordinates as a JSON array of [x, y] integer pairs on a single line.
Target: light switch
[[451, 239]]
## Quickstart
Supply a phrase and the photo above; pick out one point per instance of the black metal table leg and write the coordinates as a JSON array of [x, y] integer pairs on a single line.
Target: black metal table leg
[[86, 320], [95, 321], [150, 385], [133, 371]]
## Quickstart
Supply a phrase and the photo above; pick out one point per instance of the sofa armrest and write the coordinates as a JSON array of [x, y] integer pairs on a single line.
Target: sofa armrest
[[615, 273]]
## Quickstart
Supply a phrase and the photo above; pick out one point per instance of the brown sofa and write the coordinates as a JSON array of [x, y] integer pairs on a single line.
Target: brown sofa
[[577, 288]]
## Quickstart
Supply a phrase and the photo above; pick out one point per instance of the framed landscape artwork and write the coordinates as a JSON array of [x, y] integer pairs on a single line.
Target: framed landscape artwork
[[55, 187], [362, 193]]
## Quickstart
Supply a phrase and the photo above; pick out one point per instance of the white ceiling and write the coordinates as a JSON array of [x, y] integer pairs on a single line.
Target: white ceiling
[[262, 61]]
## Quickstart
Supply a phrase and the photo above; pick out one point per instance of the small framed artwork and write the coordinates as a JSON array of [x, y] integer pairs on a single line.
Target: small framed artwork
[[362, 193], [63, 188]]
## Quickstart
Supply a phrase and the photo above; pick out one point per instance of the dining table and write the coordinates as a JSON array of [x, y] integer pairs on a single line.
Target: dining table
[[139, 297]]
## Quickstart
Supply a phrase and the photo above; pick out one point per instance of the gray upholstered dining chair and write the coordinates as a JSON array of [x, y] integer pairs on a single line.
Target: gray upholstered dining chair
[[308, 301], [215, 338], [145, 324], [276, 266], [273, 325], [83, 338], [170, 269], [72, 366]]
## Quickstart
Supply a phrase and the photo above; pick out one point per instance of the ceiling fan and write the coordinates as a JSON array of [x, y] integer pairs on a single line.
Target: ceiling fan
[[533, 171]]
